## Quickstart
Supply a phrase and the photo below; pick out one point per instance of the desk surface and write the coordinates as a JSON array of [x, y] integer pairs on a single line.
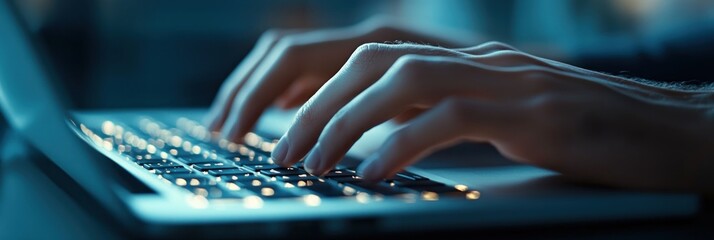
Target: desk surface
[[33, 207]]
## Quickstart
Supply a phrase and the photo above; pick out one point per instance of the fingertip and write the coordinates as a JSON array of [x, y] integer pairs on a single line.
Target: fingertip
[[281, 151], [369, 169], [312, 161]]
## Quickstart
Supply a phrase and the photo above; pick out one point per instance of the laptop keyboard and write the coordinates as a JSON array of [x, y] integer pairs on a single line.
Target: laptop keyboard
[[187, 155]]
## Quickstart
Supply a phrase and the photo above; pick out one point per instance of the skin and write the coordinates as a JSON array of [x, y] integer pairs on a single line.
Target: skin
[[587, 125]]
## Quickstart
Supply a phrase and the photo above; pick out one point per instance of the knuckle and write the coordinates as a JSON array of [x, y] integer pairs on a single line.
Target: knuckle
[[513, 57], [495, 45], [366, 53], [412, 63], [369, 50], [411, 72], [511, 54]]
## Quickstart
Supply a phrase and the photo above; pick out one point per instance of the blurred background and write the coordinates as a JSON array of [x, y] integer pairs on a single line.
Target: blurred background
[[176, 53]]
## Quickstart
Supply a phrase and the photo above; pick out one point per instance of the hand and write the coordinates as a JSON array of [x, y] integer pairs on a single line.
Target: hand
[[286, 67], [587, 125]]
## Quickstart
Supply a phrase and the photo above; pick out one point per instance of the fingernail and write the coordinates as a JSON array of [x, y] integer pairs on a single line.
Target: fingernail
[[312, 161], [280, 150], [365, 169]]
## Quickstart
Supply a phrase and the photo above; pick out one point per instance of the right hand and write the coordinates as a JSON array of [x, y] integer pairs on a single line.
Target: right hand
[[287, 67]]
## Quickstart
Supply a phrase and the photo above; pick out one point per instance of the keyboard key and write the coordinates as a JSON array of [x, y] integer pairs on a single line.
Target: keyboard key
[[189, 179], [178, 152], [349, 179], [380, 188], [340, 173], [172, 170], [300, 181], [161, 165], [262, 167], [213, 166], [415, 183], [146, 157], [408, 176], [209, 191], [325, 189], [282, 171], [150, 161], [295, 178], [442, 189], [269, 190], [244, 178], [256, 160], [234, 171], [197, 159]]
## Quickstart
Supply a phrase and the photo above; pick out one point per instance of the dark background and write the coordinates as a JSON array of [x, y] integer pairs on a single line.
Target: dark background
[[176, 53]]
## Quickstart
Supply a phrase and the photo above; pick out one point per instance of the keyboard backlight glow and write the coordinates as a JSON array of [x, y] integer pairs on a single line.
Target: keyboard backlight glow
[[232, 147], [429, 196], [312, 200], [473, 195], [194, 182], [461, 187], [181, 182], [176, 141], [253, 202], [232, 186], [362, 197], [252, 139], [187, 146], [266, 191], [198, 201], [348, 190], [108, 145], [196, 149], [108, 128], [151, 149], [256, 183]]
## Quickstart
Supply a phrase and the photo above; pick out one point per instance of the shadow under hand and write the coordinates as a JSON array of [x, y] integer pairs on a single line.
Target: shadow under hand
[[466, 155]]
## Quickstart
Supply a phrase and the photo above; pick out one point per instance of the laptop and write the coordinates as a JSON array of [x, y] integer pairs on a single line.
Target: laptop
[[160, 173]]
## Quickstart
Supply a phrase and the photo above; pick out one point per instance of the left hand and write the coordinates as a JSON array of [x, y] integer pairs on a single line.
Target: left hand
[[587, 125]]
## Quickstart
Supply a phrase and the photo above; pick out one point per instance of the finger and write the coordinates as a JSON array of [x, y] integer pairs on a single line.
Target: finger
[[299, 92], [408, 83], [367, 64], [294, 56], [451, 121], [486, 48], [504, 55], [267, 81], [224, 100], [409, 114]]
